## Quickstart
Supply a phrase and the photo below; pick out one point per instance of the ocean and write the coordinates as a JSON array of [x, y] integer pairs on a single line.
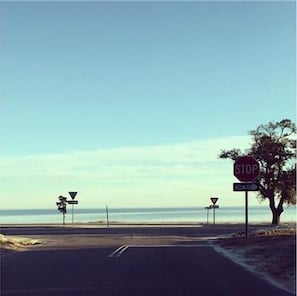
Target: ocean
[[256, 214]]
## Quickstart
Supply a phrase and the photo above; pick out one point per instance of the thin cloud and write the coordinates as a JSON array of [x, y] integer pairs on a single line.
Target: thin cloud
[[160, 158], [169, 171]]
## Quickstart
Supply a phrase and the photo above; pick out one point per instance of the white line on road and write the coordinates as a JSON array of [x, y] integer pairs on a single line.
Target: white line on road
[[168, 246], [119, 251]]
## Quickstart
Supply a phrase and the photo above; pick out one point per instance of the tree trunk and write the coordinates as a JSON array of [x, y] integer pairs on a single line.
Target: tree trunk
[[276, 211], [275, 217]]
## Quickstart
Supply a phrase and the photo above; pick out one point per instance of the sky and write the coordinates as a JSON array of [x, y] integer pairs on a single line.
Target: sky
[[130, 103]]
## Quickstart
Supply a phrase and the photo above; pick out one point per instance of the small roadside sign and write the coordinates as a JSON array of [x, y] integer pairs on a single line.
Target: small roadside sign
[[245, 187], [72, 202], [72, 194], [207, 208], [214, 207], [214, 200]]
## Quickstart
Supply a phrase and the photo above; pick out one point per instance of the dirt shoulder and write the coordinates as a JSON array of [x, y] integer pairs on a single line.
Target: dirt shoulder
[[272, 255]]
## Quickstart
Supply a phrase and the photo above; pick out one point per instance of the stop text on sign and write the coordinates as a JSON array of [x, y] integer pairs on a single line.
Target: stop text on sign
[[246, 169]]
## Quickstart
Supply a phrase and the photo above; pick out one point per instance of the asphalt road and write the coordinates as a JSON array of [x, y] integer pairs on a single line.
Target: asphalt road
[[193, 230], [194, 269]]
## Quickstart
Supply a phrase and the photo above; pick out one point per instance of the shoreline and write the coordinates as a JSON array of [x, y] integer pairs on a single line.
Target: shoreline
[[133, 216]]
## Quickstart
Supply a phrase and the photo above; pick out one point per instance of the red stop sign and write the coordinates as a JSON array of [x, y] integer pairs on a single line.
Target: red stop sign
[[246, 169]]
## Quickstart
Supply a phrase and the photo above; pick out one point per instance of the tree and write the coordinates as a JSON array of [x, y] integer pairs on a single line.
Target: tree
[[62, 204], [274, 146]]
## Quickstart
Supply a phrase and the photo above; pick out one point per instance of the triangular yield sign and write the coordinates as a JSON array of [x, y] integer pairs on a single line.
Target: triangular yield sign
[[73, 194], [214, 200]]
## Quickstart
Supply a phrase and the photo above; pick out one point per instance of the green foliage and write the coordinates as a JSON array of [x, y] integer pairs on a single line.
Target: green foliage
[[274, 146]]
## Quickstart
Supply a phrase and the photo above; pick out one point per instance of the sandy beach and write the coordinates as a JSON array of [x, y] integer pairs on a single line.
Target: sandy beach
[[268, 251]]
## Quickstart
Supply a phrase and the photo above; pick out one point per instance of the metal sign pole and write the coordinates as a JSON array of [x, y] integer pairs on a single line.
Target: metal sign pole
[[246, 169], [72, 214], [107, 219], [207, 214], [214, 215], [246, 213]]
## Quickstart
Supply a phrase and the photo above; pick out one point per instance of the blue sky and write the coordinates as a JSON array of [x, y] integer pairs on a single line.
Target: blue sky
[[130, 103]]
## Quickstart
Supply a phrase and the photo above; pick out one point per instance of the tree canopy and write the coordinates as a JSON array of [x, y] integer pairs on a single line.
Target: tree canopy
[[274, 146]]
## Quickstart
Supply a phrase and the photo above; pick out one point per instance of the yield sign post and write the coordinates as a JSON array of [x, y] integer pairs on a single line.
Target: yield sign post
[[214, 207], [73, 202]]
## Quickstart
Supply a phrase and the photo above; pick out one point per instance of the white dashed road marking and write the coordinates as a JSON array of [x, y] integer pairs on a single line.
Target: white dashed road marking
[[119, 251]]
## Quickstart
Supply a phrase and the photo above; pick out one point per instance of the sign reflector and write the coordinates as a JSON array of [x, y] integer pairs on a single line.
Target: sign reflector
[[73, 194], [214, 200]]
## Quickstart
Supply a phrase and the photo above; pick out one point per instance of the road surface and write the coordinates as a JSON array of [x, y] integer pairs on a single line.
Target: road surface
[[182, 269]]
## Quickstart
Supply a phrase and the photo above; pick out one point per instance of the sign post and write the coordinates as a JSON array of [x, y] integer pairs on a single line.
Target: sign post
[[246, 214], [207, 208], [72, 202], [246, 169], [107, 218], [214, 207]]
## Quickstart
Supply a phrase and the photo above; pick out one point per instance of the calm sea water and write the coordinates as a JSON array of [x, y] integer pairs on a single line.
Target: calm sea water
[[199, 215]]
